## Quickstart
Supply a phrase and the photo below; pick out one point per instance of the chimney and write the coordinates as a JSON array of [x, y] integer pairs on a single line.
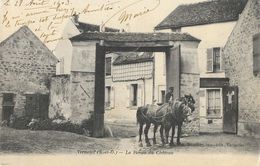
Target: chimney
[[75, 19], [128, 28]]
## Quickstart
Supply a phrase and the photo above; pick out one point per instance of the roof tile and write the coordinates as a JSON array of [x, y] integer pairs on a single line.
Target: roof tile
[[214, 11], [133, 37]]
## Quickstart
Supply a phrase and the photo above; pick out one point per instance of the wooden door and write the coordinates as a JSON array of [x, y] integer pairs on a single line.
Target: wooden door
[[37, 105], [230, 111], [43, 106], [31, 105], [8, 106]]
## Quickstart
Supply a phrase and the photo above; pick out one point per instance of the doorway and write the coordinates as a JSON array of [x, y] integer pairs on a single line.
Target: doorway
[[8, 106], [230, 112]]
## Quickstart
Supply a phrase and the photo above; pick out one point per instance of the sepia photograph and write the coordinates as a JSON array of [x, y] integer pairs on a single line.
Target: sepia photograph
[[162, 79]]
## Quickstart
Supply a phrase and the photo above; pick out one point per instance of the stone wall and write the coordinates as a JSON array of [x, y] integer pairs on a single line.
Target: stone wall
[[82, 95], [190, 82], [26, 67], [60, 96], [238, 54], [190, 85], [72, 96]]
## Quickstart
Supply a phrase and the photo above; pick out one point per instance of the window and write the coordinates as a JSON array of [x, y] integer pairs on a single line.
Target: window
[[213, 59], [176, 29], [162, 96], [256, 54], [108, 96], [213, 103], [133, 100], [8, 99], [216, 59], [108, 66]]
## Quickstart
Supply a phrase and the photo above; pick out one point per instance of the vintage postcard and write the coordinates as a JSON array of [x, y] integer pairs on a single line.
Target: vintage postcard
[[137, 81]]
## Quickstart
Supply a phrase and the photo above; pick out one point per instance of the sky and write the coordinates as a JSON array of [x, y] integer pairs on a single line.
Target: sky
[[133, 15]]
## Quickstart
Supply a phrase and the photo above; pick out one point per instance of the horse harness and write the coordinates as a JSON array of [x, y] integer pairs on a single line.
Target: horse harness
[[167, 113]]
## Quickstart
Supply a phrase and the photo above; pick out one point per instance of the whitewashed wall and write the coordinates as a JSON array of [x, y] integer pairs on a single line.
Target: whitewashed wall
[[211, 35]]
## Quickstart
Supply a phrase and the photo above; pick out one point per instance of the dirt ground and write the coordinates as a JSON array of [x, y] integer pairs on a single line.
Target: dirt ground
[[49, 142], [46, 142], [203, 143]]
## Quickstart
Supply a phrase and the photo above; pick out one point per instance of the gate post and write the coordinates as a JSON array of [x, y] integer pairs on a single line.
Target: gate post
[[173, 70], [99, 100]]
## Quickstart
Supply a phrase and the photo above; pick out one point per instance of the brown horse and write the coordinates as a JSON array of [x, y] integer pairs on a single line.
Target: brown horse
[[164, 116]]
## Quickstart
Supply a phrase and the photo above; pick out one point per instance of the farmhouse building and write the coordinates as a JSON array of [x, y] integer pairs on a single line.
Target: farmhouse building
[[63, 49], [27, 66], [212, 22], [242, 65]]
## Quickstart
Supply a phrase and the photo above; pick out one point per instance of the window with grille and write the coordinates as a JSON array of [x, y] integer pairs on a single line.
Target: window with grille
[[213, 103]]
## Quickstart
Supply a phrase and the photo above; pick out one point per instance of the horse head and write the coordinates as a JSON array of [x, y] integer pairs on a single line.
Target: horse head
[[190, 102], [186, 113], [188, 107]]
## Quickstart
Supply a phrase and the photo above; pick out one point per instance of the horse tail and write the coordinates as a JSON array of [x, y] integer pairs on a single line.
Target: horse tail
[[139, 115]]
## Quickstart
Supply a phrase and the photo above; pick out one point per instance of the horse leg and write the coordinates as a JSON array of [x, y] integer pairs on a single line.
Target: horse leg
[[140, 134], [179, 133], [161, 133], [147, 127], [167, 130], [154, 133], [173, 132]]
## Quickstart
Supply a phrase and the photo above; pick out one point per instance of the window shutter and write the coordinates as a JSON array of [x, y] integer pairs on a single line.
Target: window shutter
[[112, 99], [210, 60], [256, 54], [222, 62]]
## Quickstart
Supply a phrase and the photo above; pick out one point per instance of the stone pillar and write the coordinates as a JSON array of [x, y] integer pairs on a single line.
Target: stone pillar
[[190, 82], [173, 70]]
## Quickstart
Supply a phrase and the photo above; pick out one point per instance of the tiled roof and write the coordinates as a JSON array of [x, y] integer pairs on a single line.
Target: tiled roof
[[134, 37], [86, 27], [214, 11], [132, 57]]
